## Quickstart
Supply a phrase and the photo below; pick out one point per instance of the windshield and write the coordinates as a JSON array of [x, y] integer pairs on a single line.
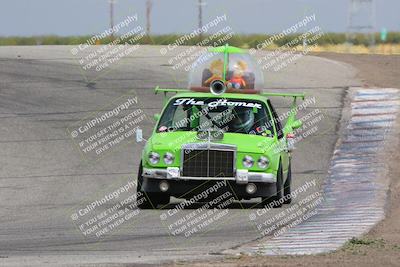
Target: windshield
[[228, 115]]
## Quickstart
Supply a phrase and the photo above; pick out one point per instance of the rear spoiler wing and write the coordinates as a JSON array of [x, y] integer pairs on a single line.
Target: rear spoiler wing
[[298, 95], [293, 106], [177, 90], [169, 90]]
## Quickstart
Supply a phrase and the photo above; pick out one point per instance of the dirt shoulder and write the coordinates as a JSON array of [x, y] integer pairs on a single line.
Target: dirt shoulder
[[381, 246], [375, 70]]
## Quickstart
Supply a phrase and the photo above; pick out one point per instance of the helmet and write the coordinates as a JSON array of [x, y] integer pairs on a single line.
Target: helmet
[[243, 120]]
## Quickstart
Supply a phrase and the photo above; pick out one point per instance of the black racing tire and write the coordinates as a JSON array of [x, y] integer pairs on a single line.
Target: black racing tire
[[287, 185], [151, 200], [279, 190]]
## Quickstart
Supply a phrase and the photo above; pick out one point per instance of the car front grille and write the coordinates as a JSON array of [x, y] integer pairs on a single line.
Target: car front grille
[[208, 163]]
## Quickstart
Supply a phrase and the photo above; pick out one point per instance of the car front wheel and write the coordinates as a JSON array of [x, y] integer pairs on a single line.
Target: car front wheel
[[279, 190], [149, 200], [287, 185]]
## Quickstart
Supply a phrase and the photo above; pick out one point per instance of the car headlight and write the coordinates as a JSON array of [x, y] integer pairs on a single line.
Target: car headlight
[[263, 162], [154, 157], [248, 161], [169, 158]]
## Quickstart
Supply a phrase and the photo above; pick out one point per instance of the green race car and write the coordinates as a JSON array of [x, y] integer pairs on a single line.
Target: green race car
[[221, 129]]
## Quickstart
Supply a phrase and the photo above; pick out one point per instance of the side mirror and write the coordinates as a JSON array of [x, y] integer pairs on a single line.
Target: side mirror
[[297, 124], [157, 116], [139, 135]]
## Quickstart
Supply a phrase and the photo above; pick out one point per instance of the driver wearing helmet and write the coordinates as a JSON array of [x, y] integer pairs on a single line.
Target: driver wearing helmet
[[242, 121]]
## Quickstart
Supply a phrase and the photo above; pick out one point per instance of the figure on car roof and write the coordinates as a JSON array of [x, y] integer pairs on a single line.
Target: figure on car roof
[[216, 69], [237, 81]]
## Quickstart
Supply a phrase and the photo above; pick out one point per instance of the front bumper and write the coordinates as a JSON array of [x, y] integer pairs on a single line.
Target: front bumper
[[242, 176]]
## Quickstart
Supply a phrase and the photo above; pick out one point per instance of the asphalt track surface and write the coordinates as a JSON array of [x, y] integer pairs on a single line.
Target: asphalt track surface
[[44, 90]]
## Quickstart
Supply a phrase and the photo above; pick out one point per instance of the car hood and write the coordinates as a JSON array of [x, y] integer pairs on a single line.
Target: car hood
[[244, 142]]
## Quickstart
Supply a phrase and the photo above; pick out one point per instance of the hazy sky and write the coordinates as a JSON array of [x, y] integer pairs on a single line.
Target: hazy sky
[[80, 17]]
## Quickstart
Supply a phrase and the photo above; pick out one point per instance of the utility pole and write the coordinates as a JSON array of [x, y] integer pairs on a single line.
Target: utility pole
[[112, 2], [200, 17], [149, 5], [361, 19]]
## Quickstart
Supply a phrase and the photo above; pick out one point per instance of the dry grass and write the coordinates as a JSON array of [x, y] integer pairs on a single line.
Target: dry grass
[[381, 49]]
